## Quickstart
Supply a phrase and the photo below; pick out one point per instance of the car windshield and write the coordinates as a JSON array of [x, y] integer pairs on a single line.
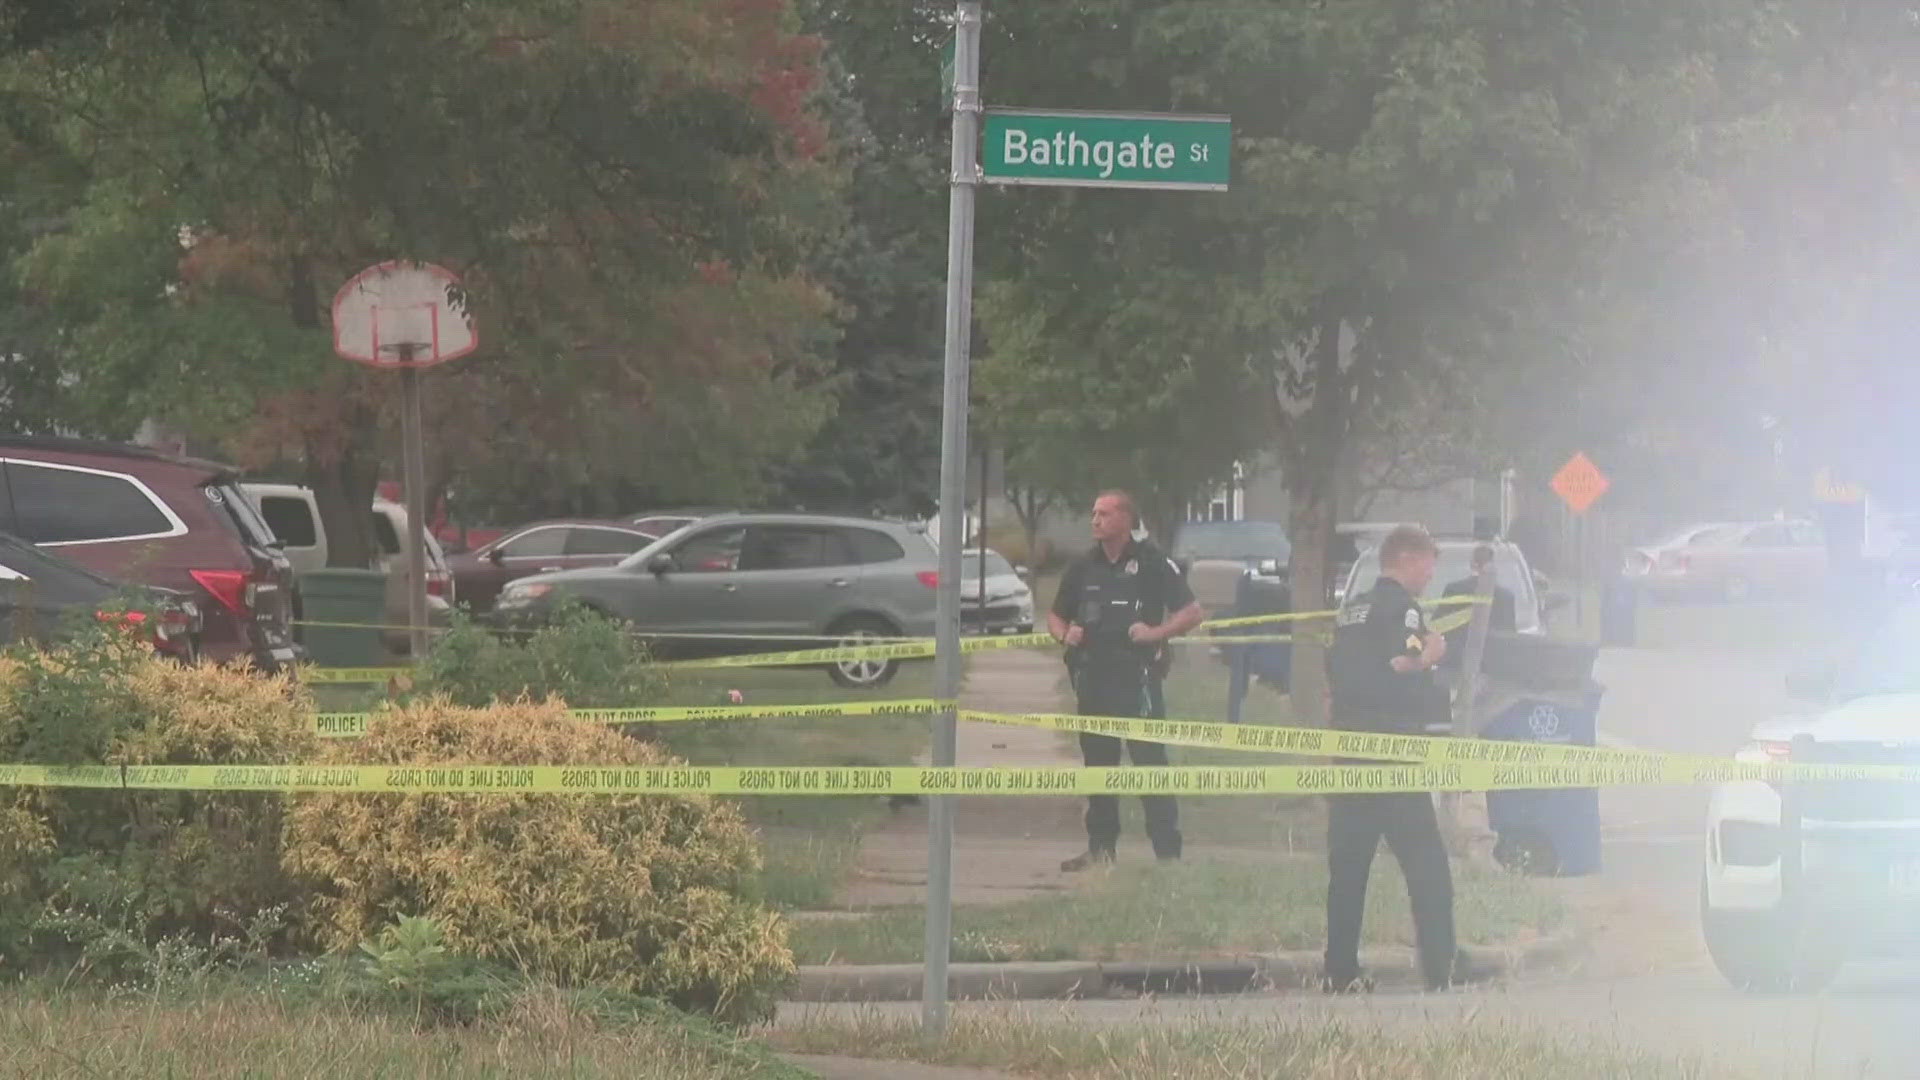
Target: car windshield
[[1456, 564], [1888, 662], [996, 564], [1233, 540]]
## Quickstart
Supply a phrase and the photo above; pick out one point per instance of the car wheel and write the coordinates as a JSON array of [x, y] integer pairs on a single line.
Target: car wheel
[[1736, 589], [1526, 852], [1772, 951], [861, 674]]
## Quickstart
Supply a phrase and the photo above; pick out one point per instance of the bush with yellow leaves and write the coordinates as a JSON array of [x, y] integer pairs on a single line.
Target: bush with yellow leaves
[[645, 893], [113, 871]]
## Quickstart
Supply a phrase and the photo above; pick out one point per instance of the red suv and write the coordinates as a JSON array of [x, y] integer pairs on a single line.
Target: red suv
[[177, 523]]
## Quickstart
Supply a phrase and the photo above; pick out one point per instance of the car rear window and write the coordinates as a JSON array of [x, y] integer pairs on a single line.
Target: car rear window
[[384, 534], [290, 519], [54, 505], [870, 546]]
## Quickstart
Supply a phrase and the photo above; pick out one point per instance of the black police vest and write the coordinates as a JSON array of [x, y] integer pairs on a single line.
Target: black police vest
[[1112, 598]]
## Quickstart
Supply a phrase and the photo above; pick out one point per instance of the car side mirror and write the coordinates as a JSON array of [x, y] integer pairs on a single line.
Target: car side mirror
[[1814, 685], [496, 557], [1268, 568], [660, 564], [1022, 572]]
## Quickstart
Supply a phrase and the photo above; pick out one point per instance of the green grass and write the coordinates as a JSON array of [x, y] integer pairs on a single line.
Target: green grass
[[1196, 689], [235, 1033], [1028, 1044], [1193, 910], [808, 843]]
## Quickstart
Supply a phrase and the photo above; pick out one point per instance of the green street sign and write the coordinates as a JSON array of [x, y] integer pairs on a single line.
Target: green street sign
[[1102, 149]]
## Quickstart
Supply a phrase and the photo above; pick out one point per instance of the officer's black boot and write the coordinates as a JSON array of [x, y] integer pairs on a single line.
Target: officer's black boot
[[1093, 856]]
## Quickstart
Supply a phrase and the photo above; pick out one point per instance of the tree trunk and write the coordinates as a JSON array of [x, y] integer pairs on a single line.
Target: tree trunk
[[343, 485], [1310, 527], [1319, 436]]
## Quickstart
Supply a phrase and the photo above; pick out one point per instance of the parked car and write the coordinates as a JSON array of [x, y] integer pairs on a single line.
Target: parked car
[[294, 516], [1352, 539], [761, 579], [543, 547], [1260, 547], [1802, 878], [1008, 605], [658, 523], [1732, 562], [1510, 572], [44, 598], [132, 514]]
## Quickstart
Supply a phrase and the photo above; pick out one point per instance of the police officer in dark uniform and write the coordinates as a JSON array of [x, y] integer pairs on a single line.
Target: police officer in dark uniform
[[1382, 674], [1117, 606]]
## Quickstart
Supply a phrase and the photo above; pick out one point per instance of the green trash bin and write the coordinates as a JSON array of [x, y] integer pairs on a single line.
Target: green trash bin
[[344, 596]]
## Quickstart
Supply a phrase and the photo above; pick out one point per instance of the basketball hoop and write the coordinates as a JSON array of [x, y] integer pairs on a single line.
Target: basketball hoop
[[402, 315]]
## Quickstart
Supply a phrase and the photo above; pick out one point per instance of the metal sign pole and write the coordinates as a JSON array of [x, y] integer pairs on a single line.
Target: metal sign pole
[[413, 465], [953, 496]]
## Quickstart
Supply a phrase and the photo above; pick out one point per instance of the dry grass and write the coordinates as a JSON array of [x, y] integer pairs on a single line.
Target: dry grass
[[256, 1034], [1225, 1050]]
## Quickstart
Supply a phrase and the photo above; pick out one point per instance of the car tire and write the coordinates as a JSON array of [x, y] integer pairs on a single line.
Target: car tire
[[1736, 590], [861, 674], [1773, 951]]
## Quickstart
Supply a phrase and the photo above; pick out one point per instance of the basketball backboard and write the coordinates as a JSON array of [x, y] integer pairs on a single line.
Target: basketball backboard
[[402, 314]]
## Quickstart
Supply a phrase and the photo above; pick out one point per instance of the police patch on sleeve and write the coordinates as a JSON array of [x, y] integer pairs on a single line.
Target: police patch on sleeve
[[1413, 618]]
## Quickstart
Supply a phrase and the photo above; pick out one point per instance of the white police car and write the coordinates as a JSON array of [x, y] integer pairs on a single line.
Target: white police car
[[1802, 877]]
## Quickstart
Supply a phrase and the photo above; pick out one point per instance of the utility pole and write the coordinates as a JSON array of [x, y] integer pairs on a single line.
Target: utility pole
[[953, 498]]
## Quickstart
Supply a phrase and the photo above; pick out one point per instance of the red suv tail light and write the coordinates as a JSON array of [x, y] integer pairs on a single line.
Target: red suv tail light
[[929, 578], [437, 583], [231, 587]]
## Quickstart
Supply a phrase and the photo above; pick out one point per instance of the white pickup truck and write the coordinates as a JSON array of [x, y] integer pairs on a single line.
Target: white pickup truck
[[1802, 877]]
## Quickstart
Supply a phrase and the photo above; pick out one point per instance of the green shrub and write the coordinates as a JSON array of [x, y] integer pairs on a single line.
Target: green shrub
[[640, 893], [113, 873], [582, 657]]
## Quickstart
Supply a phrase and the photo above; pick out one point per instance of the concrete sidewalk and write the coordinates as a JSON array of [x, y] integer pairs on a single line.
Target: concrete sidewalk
[[1003, 849]]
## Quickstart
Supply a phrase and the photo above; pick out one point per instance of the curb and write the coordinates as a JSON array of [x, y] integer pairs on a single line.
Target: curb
[[965, 982], [1280, 972]]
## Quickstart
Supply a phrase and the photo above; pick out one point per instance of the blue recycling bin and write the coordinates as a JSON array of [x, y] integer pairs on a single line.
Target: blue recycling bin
[[1272, 663], [1556, 831], [1619, 608]]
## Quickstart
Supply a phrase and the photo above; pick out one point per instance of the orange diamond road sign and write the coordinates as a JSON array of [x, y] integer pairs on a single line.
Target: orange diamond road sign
[[1580, 483]]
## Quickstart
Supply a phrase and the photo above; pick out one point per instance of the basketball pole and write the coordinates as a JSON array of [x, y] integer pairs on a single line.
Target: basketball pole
[[413, 464]]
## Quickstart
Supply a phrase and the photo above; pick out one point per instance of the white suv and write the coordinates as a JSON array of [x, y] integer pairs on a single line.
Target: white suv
[[1801, 877]]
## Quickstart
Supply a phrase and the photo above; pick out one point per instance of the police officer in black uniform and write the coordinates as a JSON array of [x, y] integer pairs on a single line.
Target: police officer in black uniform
[[1382, 673], [1117, 606]]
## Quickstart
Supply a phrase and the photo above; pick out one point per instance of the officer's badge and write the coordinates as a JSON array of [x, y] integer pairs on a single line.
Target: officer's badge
[[1132, 567], [1414, 643]]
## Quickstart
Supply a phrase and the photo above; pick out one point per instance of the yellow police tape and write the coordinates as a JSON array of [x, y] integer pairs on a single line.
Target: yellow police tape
[[921, 648], [919, 780], [341, 725]]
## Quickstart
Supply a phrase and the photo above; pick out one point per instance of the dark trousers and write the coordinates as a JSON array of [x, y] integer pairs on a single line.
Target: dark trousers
[[1121, 696], [1355, 826]]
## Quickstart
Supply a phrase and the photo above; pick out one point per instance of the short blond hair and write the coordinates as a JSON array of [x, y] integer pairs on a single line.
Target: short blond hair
[[1406, 540], [1126, 500]]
